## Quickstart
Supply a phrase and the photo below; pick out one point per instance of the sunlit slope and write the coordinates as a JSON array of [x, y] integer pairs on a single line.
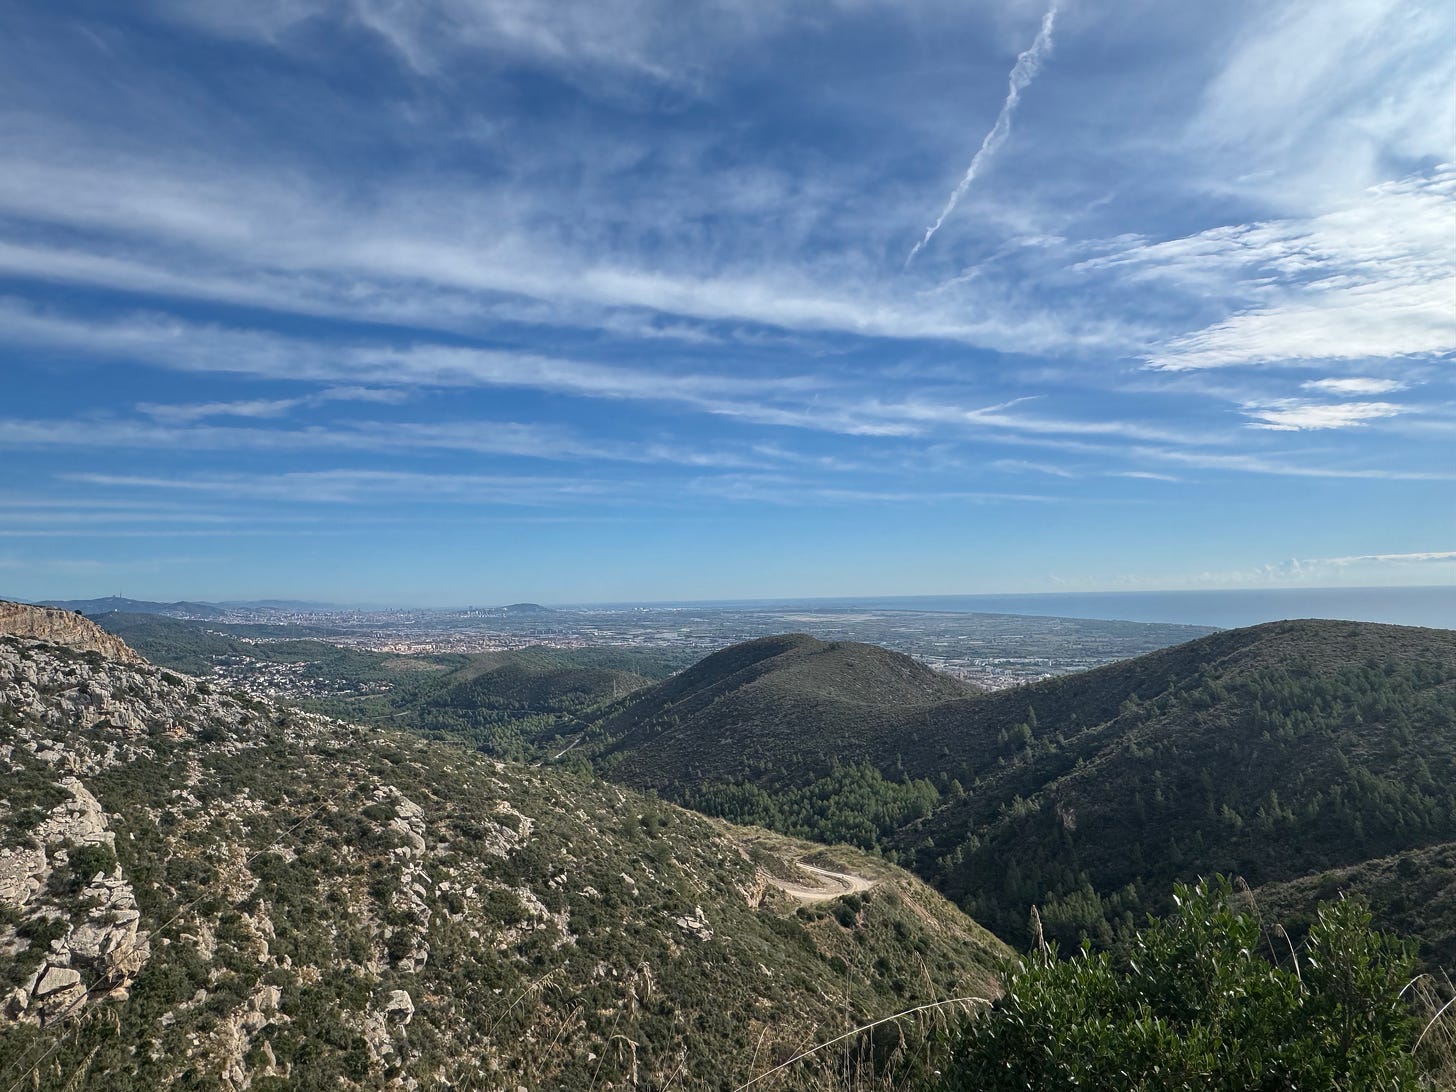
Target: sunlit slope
[[205, 891]]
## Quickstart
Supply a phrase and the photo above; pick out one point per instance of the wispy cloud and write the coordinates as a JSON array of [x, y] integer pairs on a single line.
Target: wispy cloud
[[788, 492], [1370, 280], [825, 401], [1292, 415], [197, 411], [169, 342], [352, 486], [1371, 87], [1354, 385], [1028, 64], [478, 437], [185, 413], [1145, 475], [1274, 465], [653, 247], [641, 38], [1028, 466], [1404, 559]]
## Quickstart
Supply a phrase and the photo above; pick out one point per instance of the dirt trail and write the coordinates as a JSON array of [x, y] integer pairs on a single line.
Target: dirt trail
[[838, 883]]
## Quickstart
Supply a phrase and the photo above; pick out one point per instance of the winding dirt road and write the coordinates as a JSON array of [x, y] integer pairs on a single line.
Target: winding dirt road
[[837, 883]]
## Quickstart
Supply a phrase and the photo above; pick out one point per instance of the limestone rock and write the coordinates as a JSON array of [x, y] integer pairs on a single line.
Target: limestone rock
[[20, 875], [79, 819], [695, 924], [55, 979], [399, 1006], [64, 627]]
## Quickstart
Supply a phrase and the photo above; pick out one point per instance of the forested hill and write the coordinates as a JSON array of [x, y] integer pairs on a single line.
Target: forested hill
[[1272, 752], [778, 709], [1276, 752]]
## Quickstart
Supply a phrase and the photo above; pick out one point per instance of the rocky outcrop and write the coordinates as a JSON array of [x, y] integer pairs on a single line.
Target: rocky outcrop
[[100, 950], [64, 627]]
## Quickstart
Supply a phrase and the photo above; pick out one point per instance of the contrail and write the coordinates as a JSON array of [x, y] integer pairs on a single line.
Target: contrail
[[1025, 70]]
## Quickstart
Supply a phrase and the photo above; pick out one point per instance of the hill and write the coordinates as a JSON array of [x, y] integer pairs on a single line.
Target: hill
[[203, 891], [523, 703], [778, 710], [540, 679], [1272, 752], [516, 703], [107, 604], [1295, 753]]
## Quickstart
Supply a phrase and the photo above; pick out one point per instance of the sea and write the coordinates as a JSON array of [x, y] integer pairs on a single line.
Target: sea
[[1433, 607]]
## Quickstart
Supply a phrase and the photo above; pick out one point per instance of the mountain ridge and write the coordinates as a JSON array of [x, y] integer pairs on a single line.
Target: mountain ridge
[[758, 699], [1278, 752]]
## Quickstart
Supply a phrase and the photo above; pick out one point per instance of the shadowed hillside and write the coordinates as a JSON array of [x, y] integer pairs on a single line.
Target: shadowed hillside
[[781, 709], [1270, 752], [536, 679]]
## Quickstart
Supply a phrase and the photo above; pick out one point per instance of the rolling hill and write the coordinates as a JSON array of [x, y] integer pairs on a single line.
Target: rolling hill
[[1283, 752], [539, 679], [515, 703], [1272, 752], [107, 604], [777, 710]]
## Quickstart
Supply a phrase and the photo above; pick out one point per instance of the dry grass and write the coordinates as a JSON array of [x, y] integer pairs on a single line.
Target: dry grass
[[1435, 999]]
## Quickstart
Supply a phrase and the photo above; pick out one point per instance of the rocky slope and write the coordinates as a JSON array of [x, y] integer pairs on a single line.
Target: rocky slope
[[63, 627], [198, 890]]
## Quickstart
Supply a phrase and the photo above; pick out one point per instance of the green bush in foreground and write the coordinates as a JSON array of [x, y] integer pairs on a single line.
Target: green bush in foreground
[[1203, 999]]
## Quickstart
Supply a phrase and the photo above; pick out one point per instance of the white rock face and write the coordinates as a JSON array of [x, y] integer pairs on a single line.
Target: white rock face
[[695, 924], [399, 1006], [79, 820], [64, 627], [20, 875], [102, 950]]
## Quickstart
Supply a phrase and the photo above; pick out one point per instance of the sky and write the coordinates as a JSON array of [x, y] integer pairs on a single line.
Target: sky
[[437, 302]]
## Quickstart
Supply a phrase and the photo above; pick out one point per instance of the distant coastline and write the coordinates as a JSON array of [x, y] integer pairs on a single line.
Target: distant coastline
[[1433, 607]]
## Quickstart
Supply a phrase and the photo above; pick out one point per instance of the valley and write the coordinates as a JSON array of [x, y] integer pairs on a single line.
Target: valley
[[990, 650]]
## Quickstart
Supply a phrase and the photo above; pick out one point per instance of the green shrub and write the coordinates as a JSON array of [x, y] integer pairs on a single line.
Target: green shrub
[[1194, 1004]]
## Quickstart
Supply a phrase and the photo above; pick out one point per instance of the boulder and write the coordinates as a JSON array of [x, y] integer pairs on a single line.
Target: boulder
[[399, 1007]]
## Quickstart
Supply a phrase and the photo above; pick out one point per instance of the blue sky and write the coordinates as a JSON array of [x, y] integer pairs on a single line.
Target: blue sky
[[482, 300]]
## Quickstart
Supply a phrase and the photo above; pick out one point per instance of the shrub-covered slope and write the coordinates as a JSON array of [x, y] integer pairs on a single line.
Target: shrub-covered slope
[[1273, 752], [781, 710], [514, 704], [531, 679], [200, 891]]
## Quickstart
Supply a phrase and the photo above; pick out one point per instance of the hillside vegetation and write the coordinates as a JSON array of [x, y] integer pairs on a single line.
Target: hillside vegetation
[[201, 890], [1278, 752], [1272, 752], [522, 704], [204, 892], [1200, 1002], [777, 711]]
